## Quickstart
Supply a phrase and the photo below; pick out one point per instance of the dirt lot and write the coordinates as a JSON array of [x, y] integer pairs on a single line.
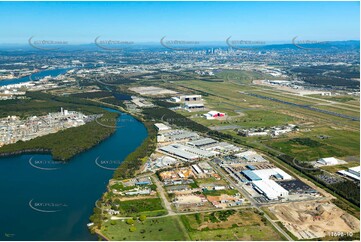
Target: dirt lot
[[314, 219]]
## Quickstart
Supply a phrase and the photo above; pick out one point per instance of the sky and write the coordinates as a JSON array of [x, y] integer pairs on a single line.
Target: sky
[[82, 22]]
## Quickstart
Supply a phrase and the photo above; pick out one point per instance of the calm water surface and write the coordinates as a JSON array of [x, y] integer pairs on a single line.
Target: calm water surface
[[44, 200]]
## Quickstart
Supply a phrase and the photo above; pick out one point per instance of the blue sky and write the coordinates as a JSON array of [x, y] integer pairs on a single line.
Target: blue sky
[[82, 22]]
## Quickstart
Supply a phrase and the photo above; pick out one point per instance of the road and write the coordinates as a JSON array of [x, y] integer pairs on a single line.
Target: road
[[252, 201], [187, 213], [161, 193]]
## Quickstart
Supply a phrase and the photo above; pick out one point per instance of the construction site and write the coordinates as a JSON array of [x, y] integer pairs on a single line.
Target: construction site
[[309, 220]]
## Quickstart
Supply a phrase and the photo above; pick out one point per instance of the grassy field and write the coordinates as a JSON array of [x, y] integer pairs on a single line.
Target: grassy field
[[341, 99], [149, 207], [227, 97], [220, 192], [339, 144], [239, 225], [247, 111], [242, 77], [162, 229], [269, 213], [334, 169]]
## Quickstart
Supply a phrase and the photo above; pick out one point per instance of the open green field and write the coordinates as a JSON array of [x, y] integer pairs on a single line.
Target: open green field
[[339, 144], [250, 119], [269, 213], [223, 225], [161, 229], [249, 233], [248, 111], [230, 192], [342, 99], [334, 169], [353, 112], [229, 96], [149, 207], [242, 77], [335, 107]]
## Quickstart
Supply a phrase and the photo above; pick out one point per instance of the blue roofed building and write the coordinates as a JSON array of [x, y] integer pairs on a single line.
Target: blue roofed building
[[251, 167], [250, 175]]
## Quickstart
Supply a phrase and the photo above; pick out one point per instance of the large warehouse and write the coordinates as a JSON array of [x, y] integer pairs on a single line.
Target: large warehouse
[[275, 173], [353, 172], [187, 153], [263, 182], [250, 175], [270, 189]]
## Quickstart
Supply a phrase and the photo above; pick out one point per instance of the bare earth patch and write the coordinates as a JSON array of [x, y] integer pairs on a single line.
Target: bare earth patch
[[308, 220]]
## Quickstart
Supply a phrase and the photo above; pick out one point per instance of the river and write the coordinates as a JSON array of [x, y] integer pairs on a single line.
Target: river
[[45, 200], [34, 76]]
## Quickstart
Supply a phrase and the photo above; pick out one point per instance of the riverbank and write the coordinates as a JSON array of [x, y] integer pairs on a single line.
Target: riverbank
[[34, 76], [77, 184], [129, 167], [67, 143]]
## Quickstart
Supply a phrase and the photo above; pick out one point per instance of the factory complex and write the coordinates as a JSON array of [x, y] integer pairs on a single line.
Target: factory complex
[[180, 147]]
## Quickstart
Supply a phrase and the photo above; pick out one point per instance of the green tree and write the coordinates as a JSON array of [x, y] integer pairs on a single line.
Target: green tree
[[130, 221]]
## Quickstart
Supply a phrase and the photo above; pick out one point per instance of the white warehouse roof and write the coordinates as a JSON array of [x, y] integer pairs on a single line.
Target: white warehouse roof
[[161, 126], [174, 150], [328, 161], [353, 172], [187, 152], [270, 189]]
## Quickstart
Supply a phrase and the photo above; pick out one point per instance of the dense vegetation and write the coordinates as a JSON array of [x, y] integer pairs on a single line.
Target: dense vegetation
[[113, 101], [165, 104], [38, 103], [305, 141], [92, 94], [329, 75], [133, 161], [173, 118], [66, 143], [346, 189]]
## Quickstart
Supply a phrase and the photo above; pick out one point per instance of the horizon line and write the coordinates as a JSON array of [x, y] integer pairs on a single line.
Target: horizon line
[[265, 42]]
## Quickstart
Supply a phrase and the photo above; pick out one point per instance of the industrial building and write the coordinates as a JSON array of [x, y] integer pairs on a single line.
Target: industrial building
[[202, 142], [353, 172], [275, 173], [190, 102], [330, 161], [221, 146], [250, 175], [179, 135], [191, 98], [194, 106], [214, 115], [187, 153], [250, 156], [263, 181], [196, 169], [161, 127], [270, 189]]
